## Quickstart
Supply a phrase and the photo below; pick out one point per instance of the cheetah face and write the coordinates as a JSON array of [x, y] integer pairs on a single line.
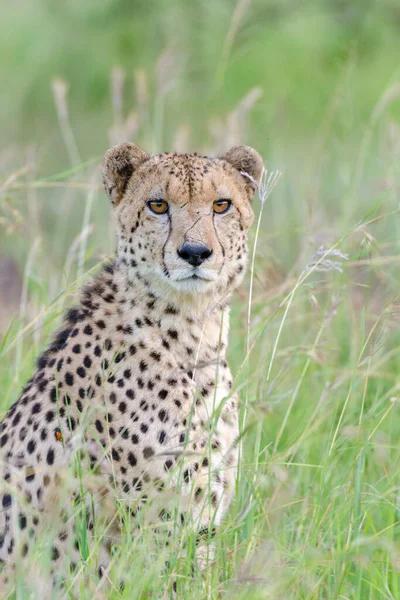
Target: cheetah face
[[183, 219]]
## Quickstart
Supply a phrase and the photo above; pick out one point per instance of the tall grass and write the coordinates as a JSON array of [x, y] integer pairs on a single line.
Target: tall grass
[[315, 330]]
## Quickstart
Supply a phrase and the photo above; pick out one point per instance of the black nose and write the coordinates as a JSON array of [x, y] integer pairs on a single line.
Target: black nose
[[194, 254]]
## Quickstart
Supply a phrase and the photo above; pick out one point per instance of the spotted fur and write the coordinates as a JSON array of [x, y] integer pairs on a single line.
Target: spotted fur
[[136, 383]]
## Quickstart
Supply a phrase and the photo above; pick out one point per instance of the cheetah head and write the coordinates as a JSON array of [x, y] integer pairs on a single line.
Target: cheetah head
[[182, 219]]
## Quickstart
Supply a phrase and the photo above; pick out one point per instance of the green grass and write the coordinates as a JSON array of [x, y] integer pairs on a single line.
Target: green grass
[[316, 513]]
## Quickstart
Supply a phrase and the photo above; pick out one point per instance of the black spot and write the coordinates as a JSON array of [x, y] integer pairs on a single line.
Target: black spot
[[109, 268], [173, 334], [15, 421], [42, 385], [162, 394], [50, 456], [100, 324], [162, 437], [74, 315], [50, 416], [72, 423], [137, 484], [148, 452], [163, 416], [99, 426], [132, 459], [41, 362], [123, 432], [60, 341], [31, 446], [69, 378], [22, 521], [54, 394], [135, 439], [171, 310], [144, 428], [7, 499], [88, 329], [122, 407], [31, 475], [81, 372], [120, 357], [87, 361], [67, 400], [132, 350]]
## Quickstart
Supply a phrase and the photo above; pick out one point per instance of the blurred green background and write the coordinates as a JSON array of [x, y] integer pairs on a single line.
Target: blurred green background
[[295, 51], [299, 80]]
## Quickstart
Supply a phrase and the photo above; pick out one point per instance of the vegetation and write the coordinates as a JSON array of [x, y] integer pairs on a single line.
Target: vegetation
[[315, 87]]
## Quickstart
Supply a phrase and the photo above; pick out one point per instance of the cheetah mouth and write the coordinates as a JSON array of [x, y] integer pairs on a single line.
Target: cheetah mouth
[[198, 275], [192, 280]]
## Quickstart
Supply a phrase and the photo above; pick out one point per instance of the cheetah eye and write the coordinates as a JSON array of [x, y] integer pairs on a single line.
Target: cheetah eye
[[159, 207], [221, 206]]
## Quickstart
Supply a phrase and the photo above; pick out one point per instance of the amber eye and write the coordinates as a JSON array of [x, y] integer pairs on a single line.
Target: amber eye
[[221, 206], [159, 207]]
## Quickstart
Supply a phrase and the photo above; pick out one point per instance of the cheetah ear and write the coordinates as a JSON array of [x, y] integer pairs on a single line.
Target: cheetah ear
[[118, 166], [249, 164]]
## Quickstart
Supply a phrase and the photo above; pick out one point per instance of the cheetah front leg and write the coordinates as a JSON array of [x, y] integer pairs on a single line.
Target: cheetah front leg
[[206, 483], [210, 495]]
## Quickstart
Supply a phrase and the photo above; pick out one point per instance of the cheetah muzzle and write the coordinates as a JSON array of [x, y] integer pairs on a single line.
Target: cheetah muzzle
[[130, 385]]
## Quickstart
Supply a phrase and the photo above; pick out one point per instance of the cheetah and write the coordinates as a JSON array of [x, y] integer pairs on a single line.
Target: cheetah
[[135, 384]]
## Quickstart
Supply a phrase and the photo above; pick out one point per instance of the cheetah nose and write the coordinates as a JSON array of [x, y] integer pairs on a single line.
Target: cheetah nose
[[194, 254]]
